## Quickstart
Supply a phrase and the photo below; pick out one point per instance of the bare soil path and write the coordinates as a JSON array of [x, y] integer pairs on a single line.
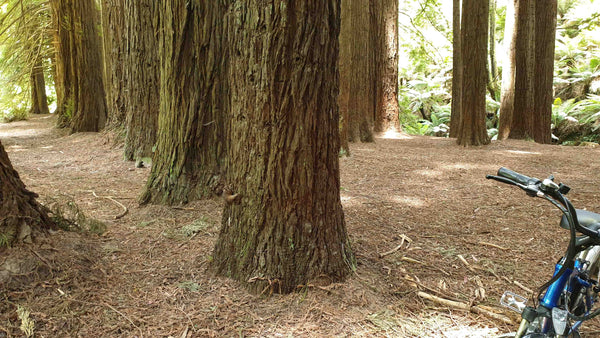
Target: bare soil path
[[147, 274]]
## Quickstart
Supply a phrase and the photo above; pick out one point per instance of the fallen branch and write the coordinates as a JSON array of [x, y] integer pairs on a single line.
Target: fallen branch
[[462, 259], [125, 210], [526, 289], [418, 284], [494, 246], [465, 307], [404, 238]]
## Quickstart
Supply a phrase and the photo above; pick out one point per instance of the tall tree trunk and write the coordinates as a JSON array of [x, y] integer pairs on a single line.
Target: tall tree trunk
[[345, 71], [115, 51], [522, 121], [545, 37], [142, 78], [63, 45], [474, 33], [507, 100], [287, 226], [82, 105], [189, 147], [457, 69], [386, 61], [39, 100], [89, 109], [361, 102], [493, 68], [21, 216]]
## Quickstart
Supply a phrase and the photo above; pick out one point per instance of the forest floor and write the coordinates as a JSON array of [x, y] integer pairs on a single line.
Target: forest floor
[[457, 236]]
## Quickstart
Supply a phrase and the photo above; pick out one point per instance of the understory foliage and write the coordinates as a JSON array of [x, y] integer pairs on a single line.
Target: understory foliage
[[25, 37], [426, 69]]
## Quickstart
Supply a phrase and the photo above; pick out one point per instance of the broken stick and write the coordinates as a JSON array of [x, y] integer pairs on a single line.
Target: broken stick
[[465, 307]]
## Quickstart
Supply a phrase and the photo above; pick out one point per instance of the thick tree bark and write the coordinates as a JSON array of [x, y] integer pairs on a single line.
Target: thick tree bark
[[362, 101], [457, 69], [522, 121], [82, 105], [285, 226], [189, 147], [115, 51], [21, 216], [474, 33], [507, 100], [545, 37], [386, 61], [39, 100], [142, 78]]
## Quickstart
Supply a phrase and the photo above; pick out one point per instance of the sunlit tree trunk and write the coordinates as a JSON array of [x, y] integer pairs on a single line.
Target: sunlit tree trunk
[[386, 63], [189, 147], [474, 33], [361, 101], [493, 68], [115, 49], [21, 216], [545, 37], [507, 100], [39, 100], [142, 68], [457, 69], [286, 227]]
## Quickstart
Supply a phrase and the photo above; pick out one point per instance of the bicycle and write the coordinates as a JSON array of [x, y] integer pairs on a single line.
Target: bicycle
[[567, 299]]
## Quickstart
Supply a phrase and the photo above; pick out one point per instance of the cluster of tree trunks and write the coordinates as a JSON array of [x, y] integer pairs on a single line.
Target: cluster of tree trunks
[[245, 104], [526, 106], [368, 69], [526, 101], [39, 100]]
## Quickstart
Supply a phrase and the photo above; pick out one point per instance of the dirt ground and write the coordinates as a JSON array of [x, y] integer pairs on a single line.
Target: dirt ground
[[457, 236]]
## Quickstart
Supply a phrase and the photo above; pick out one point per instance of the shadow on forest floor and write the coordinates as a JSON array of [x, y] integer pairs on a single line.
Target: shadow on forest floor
[[147, 273]]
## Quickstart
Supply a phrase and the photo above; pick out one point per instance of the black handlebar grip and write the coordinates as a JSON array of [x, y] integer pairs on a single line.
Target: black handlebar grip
[[515, 176]]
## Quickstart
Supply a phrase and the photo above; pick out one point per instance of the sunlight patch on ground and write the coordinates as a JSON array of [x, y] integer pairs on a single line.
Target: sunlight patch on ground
[[520, 152], [393, 134], [410, 201], [20, 133], [428, 172], [471, 332]]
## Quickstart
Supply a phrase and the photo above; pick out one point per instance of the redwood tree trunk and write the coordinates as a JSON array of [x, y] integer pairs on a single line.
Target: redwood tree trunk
[[361, 102], [189, 148], [522, 121], [287, 226], [21, 216], [386, 57], [142, 78], [474, 33], [507, 100], [115, 51], [545, 37], [82, 105], [64, 73], [39, 100], [457, 69], [345, 71]]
